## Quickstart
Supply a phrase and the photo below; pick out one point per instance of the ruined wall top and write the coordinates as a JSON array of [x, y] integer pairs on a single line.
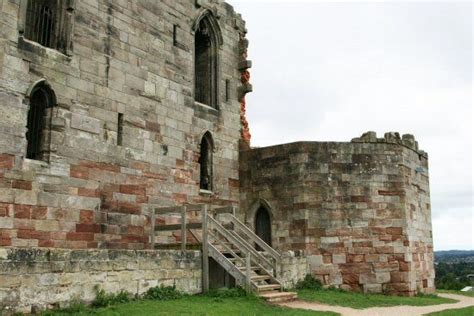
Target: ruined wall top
[[407, 140]]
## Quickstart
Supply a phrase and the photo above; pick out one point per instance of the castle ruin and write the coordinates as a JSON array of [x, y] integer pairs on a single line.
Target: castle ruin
[[111, 110]]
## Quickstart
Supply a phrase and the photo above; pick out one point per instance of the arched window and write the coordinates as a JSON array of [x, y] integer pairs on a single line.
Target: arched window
[[206, 44], [41, 98], [205, 162]]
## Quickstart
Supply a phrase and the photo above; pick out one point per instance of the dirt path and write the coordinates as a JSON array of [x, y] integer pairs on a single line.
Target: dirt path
[[464, 301]]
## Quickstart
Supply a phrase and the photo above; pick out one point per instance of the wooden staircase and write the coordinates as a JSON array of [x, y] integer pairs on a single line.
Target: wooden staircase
[[233, 246]]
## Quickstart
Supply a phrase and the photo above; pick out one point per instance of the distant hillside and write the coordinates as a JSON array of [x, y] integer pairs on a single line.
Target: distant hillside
[[454, 256]]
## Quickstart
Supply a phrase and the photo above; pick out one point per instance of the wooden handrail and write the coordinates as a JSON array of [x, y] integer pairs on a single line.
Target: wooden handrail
[[170, 227], [254, 238], [241, 244], [240, 236]]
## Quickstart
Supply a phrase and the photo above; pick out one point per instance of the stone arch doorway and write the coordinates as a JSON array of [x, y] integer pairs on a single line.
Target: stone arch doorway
[[263, 225]]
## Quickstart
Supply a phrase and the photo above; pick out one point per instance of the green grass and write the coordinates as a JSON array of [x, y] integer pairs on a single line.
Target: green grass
[[360, 300], [470, 294], [467, 311], [195, 306]]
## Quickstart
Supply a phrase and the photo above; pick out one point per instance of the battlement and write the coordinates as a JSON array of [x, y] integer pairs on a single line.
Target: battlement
[[407, 140]]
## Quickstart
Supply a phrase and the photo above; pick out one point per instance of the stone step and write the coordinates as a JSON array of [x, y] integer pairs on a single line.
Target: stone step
[[268, 287], [279, 297]]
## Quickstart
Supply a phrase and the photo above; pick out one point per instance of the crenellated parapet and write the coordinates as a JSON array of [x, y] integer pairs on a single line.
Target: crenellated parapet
[[407, 140]]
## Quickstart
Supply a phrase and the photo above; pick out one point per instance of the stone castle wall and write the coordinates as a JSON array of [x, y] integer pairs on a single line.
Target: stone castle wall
[[34, 279], [125, 58], [129, 57], [356, 215], [360, 211]]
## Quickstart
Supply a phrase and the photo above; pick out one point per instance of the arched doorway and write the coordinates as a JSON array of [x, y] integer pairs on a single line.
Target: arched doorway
[[263, 225]]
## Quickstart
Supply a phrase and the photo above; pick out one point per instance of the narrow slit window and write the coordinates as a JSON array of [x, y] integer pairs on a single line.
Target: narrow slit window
[[175, 35], [227, 90], [120, 129]]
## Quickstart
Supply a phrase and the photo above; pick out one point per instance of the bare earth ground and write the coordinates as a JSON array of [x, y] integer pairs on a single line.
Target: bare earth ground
[[464, 301]]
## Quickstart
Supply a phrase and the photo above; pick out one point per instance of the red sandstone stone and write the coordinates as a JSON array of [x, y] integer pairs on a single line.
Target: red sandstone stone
[[6, 210], [24, 233], [132, 189], [88, 192], [79, 172], [152, 126], [86, 216], [404, 266], [350, 278], [359, 198], [128, 208], [394, 230], [351, 258], [100, 165], [6, 161], [5, 242], [327, 259], [385, 266], [384, 249], [22, 211], [88, 228], [46, 243], [362, 244], [75, 236], [39, 212], [22, 185]]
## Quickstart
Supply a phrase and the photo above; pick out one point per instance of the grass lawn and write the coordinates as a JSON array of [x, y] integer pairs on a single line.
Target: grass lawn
[[196, 306], [360, 300], [467, 311]]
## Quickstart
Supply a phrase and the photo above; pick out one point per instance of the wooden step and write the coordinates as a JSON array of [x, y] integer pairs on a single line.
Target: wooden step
[[268, 287], [279, 297], [251, 268], [226, 252], [261, 277]]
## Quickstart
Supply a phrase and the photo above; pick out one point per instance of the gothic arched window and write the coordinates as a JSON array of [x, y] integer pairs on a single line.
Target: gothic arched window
[[205, 162], [41, 98], [206, 42]]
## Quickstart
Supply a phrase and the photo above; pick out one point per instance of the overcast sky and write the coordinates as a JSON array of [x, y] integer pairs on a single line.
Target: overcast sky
[[329, 71]]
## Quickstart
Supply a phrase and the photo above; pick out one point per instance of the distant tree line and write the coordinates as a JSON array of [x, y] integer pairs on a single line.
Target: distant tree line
[[454, 276]]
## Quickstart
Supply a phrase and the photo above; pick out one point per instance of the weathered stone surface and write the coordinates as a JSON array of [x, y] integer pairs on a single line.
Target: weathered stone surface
[[351, 207], [36, 282]]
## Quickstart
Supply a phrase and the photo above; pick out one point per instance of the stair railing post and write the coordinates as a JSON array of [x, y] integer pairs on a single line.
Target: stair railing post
[[183, 228], [247, 271], [152, 232], [205, 250], [233, 214]]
